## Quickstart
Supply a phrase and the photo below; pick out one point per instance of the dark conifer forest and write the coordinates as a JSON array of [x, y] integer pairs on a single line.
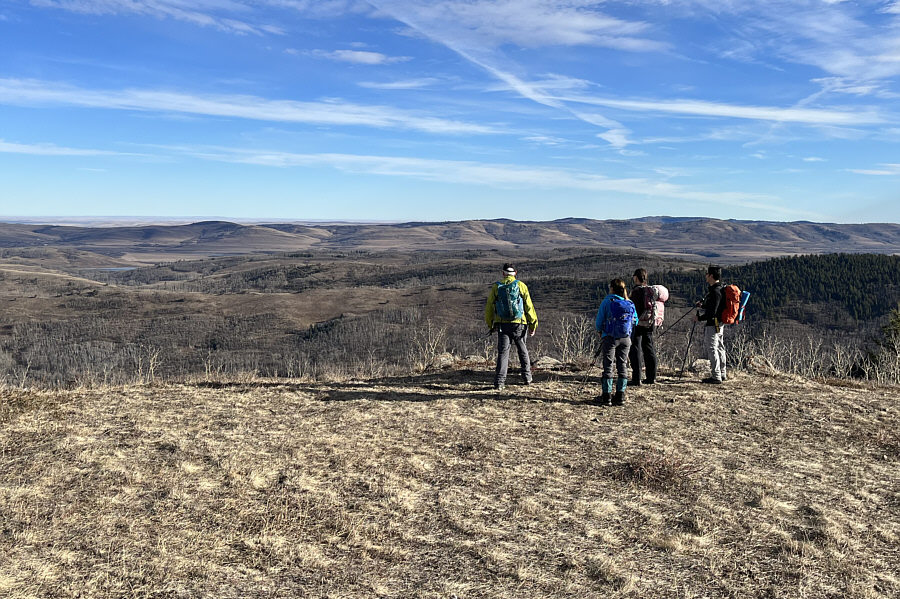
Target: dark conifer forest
[[825, 290]]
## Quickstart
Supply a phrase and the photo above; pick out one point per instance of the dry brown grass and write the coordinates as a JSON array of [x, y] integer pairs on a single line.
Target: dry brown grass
[[432, 486]]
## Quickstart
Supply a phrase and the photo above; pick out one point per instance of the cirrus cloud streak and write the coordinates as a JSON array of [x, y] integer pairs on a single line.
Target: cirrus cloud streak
[[30, 93], [505, 176]]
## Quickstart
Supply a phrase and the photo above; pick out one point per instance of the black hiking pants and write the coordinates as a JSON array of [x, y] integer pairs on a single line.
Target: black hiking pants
[[511, 333], [642, 354]]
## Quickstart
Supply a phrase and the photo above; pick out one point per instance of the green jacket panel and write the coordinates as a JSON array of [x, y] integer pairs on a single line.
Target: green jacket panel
[[530, 315]]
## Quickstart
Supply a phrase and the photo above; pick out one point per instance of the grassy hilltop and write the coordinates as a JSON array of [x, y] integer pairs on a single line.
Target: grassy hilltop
[[431, 486]]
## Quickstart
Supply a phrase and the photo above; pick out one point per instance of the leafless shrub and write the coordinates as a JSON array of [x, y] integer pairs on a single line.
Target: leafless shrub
[[740, 346], [146, 363], [882, 365], [429, 340], [657, 469], [844, 359], [573, 339]]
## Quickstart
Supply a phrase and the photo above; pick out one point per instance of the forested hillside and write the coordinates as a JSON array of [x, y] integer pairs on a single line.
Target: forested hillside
[[828, 290], [342, 314]]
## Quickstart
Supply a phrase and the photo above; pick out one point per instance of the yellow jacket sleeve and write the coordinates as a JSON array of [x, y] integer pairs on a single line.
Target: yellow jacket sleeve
[[489, 307]]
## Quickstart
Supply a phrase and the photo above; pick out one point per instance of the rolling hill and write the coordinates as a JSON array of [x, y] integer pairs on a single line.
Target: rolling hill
[[697, 238]]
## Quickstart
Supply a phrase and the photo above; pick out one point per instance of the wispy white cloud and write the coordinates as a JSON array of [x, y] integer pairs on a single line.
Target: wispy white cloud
[[811, 116], [25, 92], [545, 140], [401, 84], [842, 85], [813, 159], [322, 9], [889, 170], [552, 84], [617, 138], [671, 172], [197, 12], [837, 37], [53, 150], [513, 23], [504, 176], [358, 56], [524, 23], [478, 29]]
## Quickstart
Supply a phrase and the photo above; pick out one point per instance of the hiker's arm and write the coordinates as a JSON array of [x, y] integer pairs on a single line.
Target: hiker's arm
[[489, 307], [601, 317], [530, 313], [710, 305]]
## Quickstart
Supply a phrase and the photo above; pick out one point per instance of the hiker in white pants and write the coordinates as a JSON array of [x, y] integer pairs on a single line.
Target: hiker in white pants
[[710, 312]]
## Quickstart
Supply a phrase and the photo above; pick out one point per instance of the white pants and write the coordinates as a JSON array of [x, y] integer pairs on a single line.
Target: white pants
[[714, 342]]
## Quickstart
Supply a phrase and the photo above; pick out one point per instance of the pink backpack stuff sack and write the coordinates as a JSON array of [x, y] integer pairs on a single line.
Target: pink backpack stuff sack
[[662, 296]]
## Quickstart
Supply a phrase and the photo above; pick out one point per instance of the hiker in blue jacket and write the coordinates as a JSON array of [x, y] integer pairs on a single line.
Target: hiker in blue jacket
[[615, 320]]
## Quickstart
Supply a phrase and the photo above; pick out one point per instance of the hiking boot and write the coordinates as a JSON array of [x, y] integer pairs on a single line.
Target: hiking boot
[[606, 386], [635, 382], [605, 399], [711, 380], [499, 387], [619, 398], [649, 382]]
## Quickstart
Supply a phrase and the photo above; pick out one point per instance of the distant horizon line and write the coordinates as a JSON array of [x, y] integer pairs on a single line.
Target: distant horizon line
[[124, 221], [114, 220], [174, 220]]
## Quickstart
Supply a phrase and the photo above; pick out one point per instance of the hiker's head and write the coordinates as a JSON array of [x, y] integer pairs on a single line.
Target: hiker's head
[[714, 272], [617, 286], [509, 270], [640, 276]]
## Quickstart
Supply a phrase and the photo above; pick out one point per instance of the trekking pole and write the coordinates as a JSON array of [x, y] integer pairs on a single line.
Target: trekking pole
[[688, 350], [669, 328], [587, 375]]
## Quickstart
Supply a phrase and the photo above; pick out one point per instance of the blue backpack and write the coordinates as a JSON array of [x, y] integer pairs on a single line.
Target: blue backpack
[[509, 305], [621, 318]]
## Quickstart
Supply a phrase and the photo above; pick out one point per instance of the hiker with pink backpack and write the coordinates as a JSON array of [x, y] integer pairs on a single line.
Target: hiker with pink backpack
[[615, 321], [649, 302]]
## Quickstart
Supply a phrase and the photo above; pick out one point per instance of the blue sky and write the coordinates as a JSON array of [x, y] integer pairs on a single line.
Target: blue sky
[[448, 110]]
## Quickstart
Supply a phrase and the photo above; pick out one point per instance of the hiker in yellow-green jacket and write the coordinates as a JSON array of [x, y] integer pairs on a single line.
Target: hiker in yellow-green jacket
[[509, 311]]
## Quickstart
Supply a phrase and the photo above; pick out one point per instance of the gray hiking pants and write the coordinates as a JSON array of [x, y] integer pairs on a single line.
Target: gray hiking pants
[[714, 342], [615, 349], [508, 334]]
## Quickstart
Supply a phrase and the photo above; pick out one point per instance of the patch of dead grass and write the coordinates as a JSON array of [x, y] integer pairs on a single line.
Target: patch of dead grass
[[657, 469], [264, 491]]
